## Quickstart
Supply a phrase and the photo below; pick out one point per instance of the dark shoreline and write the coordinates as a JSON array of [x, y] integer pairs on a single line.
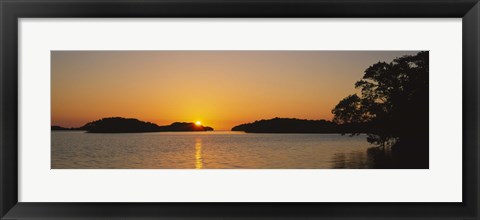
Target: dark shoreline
[[132, 125], [294, 125]]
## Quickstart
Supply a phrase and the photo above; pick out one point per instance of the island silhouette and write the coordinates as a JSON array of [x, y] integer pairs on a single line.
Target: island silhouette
[[132, 125], [295, 125]]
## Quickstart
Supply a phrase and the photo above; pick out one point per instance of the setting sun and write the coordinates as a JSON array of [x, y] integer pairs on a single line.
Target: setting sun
[[198, 123]]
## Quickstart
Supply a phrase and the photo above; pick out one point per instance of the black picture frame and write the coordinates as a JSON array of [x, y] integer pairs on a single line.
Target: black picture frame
[[12, 10]]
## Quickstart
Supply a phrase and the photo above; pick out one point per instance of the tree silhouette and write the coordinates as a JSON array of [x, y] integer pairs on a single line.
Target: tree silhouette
[[393, 102], [351, 110]]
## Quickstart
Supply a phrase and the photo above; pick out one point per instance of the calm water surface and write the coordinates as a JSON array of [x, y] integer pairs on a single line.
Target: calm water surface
[[207, 150]]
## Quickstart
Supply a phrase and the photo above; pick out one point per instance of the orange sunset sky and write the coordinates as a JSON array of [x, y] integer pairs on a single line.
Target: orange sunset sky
[[219, 88]]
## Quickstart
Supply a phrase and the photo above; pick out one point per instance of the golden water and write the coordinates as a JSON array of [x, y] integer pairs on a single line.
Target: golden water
[[207, 150]]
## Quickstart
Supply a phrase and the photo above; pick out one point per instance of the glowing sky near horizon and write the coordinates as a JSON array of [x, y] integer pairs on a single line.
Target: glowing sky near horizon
[[220, 89]]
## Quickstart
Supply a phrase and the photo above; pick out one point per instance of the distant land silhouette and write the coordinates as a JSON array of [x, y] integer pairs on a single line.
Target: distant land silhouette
[[294, 125], [132, 125], [60, 128]]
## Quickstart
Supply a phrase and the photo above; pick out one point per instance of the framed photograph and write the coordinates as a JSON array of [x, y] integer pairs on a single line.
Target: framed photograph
[[239, 109]]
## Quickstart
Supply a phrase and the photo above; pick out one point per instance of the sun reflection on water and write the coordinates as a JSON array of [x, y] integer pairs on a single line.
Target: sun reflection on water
[[198, 154]]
